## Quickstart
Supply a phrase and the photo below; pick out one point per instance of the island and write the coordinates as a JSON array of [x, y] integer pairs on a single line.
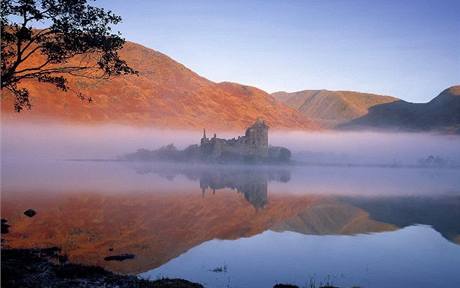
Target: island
[[253, 147]]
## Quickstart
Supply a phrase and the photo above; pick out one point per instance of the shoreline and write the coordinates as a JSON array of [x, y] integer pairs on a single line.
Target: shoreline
[[47, 267]]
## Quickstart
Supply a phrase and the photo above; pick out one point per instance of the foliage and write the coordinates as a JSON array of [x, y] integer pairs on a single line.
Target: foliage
[[76, 30]]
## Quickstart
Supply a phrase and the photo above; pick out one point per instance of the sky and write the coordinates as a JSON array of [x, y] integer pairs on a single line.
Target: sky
[[407, 49]]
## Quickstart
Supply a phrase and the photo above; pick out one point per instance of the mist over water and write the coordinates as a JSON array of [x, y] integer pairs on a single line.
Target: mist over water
[[34, 153], [364, 190], [51, 140], [370, 147]]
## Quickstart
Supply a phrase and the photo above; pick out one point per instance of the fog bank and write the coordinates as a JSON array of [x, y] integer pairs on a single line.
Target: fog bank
[[33, 154], [51, 140]]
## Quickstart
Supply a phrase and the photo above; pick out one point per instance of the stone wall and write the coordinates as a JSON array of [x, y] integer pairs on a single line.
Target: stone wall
[[254, 145]]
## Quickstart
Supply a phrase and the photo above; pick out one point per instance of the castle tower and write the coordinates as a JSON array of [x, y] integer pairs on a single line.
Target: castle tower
[[204, 139], [257, 138]]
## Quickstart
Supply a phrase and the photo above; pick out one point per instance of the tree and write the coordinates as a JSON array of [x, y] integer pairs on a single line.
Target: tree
[[75, 30]]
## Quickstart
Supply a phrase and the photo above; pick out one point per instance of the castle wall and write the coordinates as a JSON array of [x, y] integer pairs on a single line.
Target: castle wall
[[253, 145], [257, 140]]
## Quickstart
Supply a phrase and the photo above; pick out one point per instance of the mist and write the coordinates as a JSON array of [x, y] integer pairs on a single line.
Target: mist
[[35, 158], [57, 141]]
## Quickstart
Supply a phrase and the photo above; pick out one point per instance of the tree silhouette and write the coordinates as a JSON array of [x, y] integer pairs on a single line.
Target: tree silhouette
[[75, 30]]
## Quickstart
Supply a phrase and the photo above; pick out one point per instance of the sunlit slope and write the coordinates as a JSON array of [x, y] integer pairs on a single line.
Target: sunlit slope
[[332, 218], [440, 114], [165, 94], [159, 227], [331, 108]]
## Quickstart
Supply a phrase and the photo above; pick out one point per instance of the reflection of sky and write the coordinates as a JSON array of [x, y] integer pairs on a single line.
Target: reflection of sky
[[72, 176], [77, 176], [415, 256], [370, 181]]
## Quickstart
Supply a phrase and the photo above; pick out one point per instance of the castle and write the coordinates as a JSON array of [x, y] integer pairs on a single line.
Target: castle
[[252, 146]]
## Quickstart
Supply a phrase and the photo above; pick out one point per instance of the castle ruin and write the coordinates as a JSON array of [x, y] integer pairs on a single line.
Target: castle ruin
[[250, 148], [253, 145]]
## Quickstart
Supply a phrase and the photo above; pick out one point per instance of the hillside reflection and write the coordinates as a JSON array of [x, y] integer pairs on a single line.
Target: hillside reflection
[[196, 204], [442, 213]]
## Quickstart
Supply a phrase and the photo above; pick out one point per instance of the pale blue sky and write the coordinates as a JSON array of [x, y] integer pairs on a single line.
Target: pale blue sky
[[408, 49]]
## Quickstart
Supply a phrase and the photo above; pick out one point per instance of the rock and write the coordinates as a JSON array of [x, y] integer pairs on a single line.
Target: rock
[[220, 269], [120, 257], [50, 252], [34, 268], [5, 226], [30, 213], [285, 286], [174, 283], [62, 259]]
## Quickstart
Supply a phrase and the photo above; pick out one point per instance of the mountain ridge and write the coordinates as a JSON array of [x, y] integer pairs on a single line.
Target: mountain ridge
[[331, 108], [442, 113], [166, 94]]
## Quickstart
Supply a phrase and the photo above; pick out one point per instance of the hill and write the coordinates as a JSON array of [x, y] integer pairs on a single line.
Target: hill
[[440, 114], [186, 218], [165, 94], [332, 108]]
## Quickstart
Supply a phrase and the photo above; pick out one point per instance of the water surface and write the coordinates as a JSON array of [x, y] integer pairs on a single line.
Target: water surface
[[243, 226]]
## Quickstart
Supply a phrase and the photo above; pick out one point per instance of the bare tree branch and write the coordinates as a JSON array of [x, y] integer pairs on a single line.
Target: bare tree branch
[[78, 43]]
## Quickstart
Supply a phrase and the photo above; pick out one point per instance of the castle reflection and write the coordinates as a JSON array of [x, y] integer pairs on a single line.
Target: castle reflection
[[158, 211], [251, 182]]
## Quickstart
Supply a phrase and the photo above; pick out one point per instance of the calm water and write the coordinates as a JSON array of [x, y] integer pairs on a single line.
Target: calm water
[[243, 226]]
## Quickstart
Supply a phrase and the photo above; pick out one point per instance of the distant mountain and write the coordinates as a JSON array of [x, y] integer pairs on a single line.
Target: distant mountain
[[332, 218], [441, 213], [332, 108], [165, 94], [440, 114]]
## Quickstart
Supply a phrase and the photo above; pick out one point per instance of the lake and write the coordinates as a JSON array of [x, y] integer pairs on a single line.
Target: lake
[[243, 226]]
